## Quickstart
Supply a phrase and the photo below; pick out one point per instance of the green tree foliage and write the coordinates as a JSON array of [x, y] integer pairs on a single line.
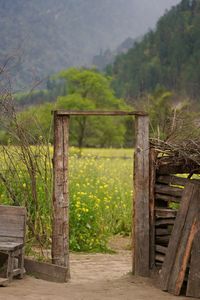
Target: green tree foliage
[[168, 56], [92, 85], [84, 90], [90, 90], [54, 87]]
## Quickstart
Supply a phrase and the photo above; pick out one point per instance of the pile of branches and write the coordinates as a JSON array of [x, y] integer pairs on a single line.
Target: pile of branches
[[184, 153]]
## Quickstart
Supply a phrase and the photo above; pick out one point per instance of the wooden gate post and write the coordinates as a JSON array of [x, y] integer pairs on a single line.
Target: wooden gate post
[[141, 228], [60, 228]]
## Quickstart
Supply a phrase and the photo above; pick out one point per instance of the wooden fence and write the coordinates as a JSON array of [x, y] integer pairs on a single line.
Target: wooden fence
[[158, 194], [167, 184]]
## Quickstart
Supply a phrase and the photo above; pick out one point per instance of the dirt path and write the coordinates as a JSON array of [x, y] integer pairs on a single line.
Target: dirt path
[[94, 277]]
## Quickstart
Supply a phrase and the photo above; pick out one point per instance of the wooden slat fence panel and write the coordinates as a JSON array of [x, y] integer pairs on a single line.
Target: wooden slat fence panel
[[185, 227]]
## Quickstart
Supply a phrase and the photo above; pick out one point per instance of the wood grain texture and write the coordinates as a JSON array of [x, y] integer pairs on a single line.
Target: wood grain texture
[[193, 286], [141, 201], [152, 181], [161, 222], [162, 240], [15, 220], [165, 213], [175, 180], [167, 198], [12, 238], [99, 113], [180, 266], [60, 230], [46, 271], [168, 165], [162, 231], [161, 249], [179, 248], [160, 257], [12, 224], [10, 246], [168, 190], [11, 231], [12, 210]]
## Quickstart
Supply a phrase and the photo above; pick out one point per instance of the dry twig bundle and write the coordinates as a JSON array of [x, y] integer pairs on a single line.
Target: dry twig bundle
[[184, 154]]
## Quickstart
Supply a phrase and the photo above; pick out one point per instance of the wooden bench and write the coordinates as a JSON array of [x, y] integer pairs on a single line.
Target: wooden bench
[[12, 239]]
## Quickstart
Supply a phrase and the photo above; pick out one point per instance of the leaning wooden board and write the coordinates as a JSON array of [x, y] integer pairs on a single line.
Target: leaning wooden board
[[180, 244], [193, 286], [46, 271]]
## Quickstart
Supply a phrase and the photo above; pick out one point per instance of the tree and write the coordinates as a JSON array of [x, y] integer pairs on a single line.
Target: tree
[[79, 125], [170, 121], [168, 56], [90, 90]]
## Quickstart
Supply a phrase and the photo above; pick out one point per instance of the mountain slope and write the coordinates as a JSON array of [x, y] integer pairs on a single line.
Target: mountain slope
[[168, 57], [47, 36], [107, 57]]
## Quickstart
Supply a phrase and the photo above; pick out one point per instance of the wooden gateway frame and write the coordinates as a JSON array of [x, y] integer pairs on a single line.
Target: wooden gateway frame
[[141, 218]]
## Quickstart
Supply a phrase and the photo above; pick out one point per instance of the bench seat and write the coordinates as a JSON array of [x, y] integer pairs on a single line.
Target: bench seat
[[12, 241], [10, 246]]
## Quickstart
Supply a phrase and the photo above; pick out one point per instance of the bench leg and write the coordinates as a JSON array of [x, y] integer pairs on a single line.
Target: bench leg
[[21, 264], [10, 266]]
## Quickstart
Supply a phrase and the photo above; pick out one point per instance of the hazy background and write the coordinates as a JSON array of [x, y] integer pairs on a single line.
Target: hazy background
[[49, 35]]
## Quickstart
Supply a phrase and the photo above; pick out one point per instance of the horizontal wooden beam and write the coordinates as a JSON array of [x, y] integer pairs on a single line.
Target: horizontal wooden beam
[[166, 165], [162, 231], [46, 271], [160, 257], [168, 190], [161, 222], [161, 249], [165, 213], [164, 240], [167, 198], [174, 180], [99, 113]]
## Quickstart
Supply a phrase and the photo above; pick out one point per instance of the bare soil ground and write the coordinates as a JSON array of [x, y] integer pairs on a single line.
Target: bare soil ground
[[93, 277]]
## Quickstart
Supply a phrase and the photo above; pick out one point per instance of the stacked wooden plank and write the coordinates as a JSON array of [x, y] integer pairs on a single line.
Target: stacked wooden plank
[[174, 223], [168, 190], [184, 246]]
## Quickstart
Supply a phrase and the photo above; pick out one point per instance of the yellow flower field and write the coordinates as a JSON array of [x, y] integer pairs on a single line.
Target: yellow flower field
[[100, 188], [100, 196]]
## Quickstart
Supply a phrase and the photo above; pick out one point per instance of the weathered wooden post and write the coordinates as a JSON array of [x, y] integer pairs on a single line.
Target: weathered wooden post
[[60, 229], [152, 181], [141, 227]]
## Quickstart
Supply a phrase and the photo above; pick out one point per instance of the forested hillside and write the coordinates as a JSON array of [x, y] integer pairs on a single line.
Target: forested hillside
[[107, 57], [47, 36], [167, 57]]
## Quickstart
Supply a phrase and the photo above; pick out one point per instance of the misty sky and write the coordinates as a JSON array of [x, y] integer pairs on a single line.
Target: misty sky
[[56, 34], [146, 12]]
